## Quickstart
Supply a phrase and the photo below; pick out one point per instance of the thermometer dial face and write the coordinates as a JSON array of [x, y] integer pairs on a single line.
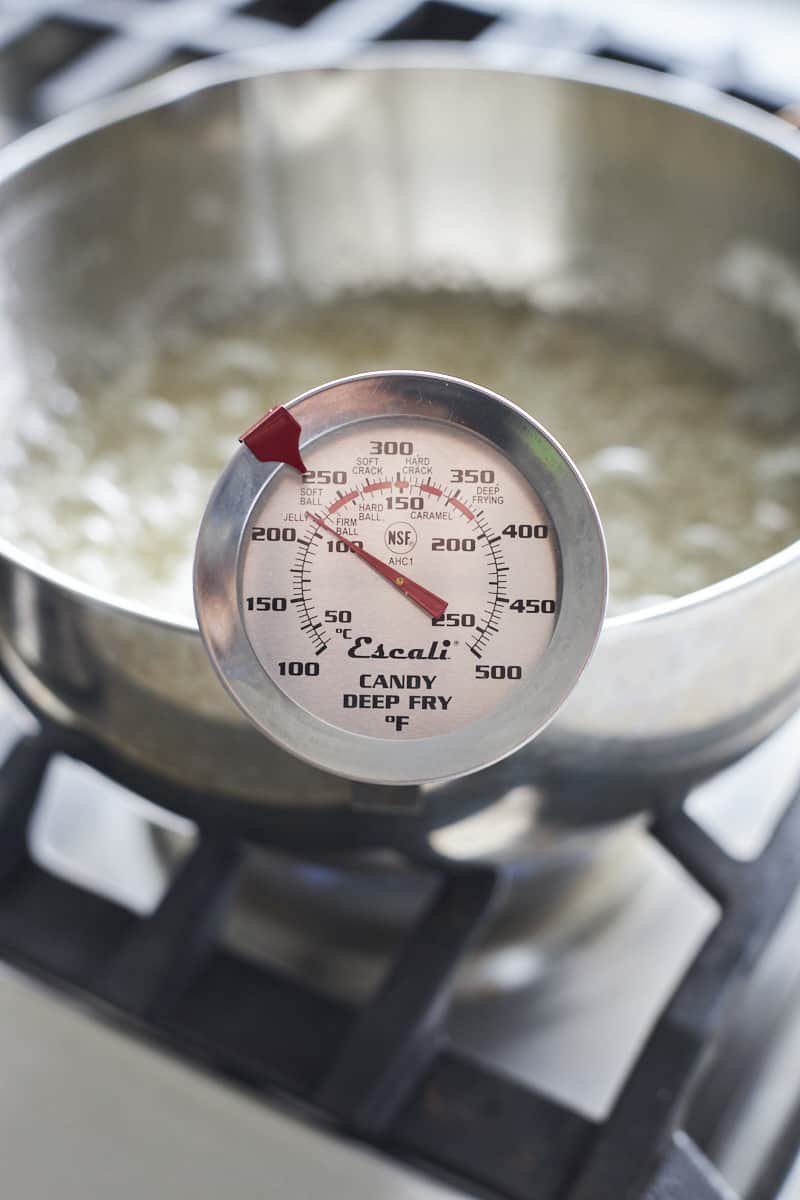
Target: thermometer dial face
[[437, 505], [417, 602]]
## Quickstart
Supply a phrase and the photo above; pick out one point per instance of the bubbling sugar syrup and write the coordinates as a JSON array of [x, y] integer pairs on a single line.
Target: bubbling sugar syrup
[[108, 481]]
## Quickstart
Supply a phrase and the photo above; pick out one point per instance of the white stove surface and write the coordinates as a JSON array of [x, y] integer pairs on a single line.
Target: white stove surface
[[87, 1112]]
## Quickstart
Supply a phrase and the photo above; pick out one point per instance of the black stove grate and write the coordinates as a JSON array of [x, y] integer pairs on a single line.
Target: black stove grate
[[385, 1073], [55, 56]]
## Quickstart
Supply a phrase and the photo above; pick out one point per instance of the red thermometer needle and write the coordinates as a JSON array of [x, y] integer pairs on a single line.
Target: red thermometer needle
[[431, 603]]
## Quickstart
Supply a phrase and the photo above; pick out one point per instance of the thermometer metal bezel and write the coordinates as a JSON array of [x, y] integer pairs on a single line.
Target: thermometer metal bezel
[[537, 456]]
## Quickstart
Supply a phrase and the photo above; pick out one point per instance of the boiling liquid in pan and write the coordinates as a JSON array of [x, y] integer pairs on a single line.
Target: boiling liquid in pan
[[692, 479]]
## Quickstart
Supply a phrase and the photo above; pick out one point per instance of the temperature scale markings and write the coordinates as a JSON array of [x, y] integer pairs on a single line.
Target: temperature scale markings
[[430, 489], [497, 596], [344, 500], [378, 487], [462, 508], [311, 625], [490, 625]]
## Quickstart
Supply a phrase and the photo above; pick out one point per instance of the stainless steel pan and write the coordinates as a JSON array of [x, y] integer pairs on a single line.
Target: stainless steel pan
[[628, 186]]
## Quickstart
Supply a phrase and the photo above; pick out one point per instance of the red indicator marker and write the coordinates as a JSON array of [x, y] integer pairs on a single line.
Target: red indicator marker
[[432, 491], [433, 605], [377, 487], [276, 438]]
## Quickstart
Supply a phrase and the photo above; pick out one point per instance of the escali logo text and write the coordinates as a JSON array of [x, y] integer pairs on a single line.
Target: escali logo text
[[435, 650]]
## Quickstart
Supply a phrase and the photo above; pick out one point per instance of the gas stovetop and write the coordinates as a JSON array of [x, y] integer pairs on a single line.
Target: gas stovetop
[[144, 1027], [171, 1023]]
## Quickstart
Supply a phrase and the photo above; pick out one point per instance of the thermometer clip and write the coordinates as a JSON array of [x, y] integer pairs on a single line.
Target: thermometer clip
[[276, 438]]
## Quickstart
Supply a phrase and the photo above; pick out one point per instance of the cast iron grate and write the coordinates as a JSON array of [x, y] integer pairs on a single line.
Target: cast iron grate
[[59, 54], [289, 12], [436, 21], [385, 1073]]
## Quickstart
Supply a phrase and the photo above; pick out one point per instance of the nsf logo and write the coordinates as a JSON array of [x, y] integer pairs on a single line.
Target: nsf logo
[[400, 537]]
